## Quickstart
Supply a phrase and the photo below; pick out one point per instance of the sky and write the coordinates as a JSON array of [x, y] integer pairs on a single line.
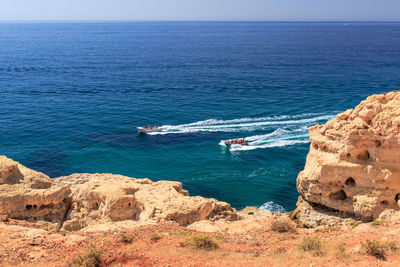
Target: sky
[[224, 10]]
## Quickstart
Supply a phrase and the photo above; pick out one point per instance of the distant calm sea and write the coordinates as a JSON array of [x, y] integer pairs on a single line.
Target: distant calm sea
[[72, 95]]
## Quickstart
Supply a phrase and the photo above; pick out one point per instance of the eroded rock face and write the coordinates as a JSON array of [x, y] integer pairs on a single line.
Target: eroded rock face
[[85, 200], [102, 198], [30, 195], [354, 161]]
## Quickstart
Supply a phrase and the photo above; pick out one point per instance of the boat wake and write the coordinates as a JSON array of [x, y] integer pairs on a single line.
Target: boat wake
[[284, 133], [279, 138], [244, 124]]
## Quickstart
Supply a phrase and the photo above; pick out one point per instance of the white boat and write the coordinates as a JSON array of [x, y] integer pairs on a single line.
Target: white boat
[[149, 129]]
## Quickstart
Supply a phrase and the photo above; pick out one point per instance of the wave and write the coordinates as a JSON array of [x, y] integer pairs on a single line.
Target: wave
[[244, 124], [271, 206]]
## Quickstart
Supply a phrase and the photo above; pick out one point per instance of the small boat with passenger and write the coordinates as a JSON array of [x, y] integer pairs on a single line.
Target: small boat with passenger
[[149, 129], [242, 142]]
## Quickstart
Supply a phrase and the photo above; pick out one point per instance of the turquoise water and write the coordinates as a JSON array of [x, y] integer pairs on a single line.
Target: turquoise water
[[72, 95]]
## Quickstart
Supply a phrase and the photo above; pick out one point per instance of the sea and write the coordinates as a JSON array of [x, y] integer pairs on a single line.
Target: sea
[[73, 93]]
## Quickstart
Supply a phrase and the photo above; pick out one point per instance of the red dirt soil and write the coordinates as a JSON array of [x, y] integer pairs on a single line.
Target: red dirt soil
[[25, 244]]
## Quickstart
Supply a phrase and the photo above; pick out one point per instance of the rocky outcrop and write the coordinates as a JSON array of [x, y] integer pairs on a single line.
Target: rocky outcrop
[[82, 201], [29, 195], [354, 161], [102, 198]]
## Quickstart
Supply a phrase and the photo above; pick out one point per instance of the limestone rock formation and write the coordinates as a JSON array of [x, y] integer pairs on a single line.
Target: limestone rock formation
[[26, 194], [83, 200], [102, 198], [354, 161]]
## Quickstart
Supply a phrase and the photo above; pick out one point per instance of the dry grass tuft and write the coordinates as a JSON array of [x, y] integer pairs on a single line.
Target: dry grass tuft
[[126, 239], [339, 250], [328, 229], [375, 248], [202, 241], [312, 244], [283, 226], [155, 237], [91, 258], [179, 232], [279, 250]]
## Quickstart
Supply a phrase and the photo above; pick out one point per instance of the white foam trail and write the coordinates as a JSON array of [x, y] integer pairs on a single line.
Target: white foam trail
[[279, 143], [238, 125], [271, 206], [279, 138], [281, 117]]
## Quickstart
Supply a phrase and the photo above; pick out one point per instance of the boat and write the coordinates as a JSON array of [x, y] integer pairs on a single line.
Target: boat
[[149, 129], [241, 142]]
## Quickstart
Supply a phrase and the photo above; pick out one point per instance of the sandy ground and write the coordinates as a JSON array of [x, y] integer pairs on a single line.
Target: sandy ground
[[24, 244]]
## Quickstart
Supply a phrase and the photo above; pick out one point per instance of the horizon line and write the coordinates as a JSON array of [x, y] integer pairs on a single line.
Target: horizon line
[[226, 21]]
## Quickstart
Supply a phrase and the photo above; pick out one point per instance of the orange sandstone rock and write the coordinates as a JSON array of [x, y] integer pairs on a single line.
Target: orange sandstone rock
[[99, 201], [353, 165]]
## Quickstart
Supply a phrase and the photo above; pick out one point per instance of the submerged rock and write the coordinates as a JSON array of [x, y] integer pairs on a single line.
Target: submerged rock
[[353, 162]]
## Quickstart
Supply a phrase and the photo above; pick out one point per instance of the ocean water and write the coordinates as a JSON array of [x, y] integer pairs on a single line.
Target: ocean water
[[72, 95]]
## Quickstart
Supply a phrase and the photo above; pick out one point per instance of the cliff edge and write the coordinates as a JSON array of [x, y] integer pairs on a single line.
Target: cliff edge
[[353, 166], [99, 201]]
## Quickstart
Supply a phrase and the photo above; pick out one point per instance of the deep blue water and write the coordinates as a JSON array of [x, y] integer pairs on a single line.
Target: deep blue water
[[72, 95]]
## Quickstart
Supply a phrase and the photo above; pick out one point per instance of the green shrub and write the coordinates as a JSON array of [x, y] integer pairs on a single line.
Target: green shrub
[[376, 223], [313, 245], [282, 226], [155, 237], [328, 229], [354, 225], [202, 241], [91, 258], [63, 231], [375, 248]]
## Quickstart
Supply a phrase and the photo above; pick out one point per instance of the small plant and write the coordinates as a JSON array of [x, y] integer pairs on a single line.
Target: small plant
[[328, 229], [282, 226], [313, 245], [340, 250], [375, 248], [376, 223], [179, 232], [220, 237], [91, 258], [279, 250], [155, 237], [126, 239], [202, 241], [392, 246], [354, 225], [63, 231]]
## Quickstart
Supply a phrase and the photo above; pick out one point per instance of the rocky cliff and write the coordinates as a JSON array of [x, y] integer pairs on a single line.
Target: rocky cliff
[[354, 161], [99, 201]]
